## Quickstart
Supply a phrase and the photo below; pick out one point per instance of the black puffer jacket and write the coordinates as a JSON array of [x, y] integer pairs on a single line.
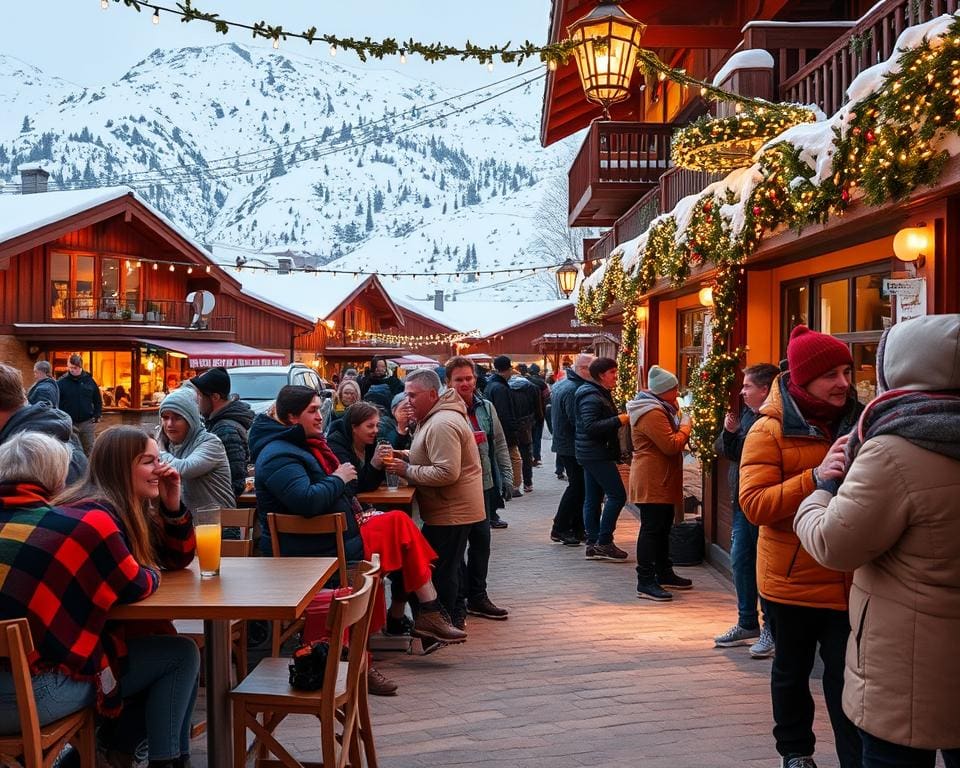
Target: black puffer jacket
[[497, 391], [597, 424], [45, 391], [231, 424], [563, 413], [341, 443], [41, 417]]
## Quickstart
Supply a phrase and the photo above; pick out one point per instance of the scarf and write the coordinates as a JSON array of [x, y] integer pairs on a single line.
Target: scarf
[[323, 453], [821, 414], [930, 420]]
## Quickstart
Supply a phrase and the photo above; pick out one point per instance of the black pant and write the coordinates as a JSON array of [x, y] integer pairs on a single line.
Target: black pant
[[526, 462], [537, 440], [796, 631], [473, 571], [878, 753], [653, 542], [569, 515], [449, 542]]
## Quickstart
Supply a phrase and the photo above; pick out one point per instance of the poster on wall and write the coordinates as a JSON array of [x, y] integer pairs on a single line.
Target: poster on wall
[[707, 334], [911, 297]]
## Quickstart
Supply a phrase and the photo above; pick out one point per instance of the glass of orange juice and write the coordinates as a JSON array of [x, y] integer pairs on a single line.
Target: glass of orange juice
[[206, 523]]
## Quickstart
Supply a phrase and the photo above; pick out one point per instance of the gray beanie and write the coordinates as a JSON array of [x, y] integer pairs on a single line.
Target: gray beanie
[[660, 380], [397, 399]]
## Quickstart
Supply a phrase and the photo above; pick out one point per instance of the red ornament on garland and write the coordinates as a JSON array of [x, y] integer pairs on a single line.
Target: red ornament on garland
[[704, 376], [756, 210], [871, 137], [845, 195]]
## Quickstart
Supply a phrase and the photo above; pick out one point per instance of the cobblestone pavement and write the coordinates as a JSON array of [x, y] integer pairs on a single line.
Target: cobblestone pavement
[[582, 674]]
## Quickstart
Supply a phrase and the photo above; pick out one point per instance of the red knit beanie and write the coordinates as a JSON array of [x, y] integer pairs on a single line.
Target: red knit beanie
[[811, 354]]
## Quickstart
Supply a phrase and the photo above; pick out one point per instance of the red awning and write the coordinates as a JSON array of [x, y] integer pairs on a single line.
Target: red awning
[[210, 354]]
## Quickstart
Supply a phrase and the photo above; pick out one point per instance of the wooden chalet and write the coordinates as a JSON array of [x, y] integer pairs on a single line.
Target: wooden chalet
[[103, 274], [830, 276]]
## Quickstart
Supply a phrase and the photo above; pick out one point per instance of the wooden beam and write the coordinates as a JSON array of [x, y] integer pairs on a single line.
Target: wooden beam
[[659, 36]]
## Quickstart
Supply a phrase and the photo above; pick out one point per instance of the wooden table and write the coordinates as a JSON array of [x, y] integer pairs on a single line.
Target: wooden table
[[397, 498], [247, 588], [247, 499]]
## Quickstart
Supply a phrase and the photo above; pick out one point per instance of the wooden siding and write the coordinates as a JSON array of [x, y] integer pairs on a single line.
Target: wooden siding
[[518, 340]]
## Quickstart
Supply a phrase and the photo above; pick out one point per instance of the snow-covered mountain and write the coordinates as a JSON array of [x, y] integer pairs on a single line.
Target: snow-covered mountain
[[267, 152]]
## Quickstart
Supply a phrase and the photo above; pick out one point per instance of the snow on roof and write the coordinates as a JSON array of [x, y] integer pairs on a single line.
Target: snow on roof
[[487, 317], [20, 214], [31, 167], [753, 58], [313, 295]]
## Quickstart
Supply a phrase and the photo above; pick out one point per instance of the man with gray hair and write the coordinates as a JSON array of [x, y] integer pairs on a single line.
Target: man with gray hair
[[568, 522], [44, 389], [444, 463], [17, 415]]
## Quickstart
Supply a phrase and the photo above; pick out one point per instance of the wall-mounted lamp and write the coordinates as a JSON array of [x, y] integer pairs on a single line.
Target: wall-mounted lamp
[[912, 244], [643, 313], [567, 277], [706, 296]]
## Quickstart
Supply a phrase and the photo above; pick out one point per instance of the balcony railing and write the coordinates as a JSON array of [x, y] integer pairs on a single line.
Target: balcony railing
[[824, 80], [677, 183], [617, 163], [174, 314]]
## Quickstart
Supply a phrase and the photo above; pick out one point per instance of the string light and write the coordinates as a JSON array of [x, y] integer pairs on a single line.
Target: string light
[[333, 50], [156, 16], [276, 43], [104, 4], [403, 56], [489, 66]]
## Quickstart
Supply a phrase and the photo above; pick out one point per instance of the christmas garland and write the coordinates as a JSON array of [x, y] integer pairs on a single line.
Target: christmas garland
[[722, 144], [886, 145]]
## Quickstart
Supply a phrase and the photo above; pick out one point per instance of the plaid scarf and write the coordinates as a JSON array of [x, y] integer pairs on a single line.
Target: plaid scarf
[[63, 570], [930, 420]]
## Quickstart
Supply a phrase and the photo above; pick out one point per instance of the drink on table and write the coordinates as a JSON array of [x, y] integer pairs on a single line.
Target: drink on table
[[208, 532], [386, 456]]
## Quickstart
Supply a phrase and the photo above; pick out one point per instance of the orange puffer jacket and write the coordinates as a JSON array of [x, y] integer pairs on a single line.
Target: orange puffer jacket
[[776, 474]]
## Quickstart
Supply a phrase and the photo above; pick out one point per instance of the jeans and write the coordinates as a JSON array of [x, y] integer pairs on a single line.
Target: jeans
[[450, 543], [165, 667], [601, 478], [569, 515], [743, 564], [878, 753], [537, 440], [796, 631], [86, 431], [653, 542], [526, 463]]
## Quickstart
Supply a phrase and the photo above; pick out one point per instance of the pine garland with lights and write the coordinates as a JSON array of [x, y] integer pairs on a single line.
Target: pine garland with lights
[[891, 143]]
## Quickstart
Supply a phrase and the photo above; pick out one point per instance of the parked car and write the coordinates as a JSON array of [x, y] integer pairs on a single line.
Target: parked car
[[258, 385]]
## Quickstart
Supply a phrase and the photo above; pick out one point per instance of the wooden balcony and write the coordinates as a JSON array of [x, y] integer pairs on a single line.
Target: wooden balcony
[[617, 164], [171, 314], [824, 79]]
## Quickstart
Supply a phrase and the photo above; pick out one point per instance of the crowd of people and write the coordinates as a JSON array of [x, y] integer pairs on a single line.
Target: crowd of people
[[820, 545]]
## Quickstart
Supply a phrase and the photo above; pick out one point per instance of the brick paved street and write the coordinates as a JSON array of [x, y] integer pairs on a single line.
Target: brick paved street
[[582, 674]]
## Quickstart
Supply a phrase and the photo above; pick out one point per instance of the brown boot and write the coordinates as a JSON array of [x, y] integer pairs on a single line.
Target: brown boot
[[433, 625], [378, 684]]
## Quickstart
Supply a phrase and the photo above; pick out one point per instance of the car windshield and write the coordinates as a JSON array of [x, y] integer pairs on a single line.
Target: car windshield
[[258, 386]]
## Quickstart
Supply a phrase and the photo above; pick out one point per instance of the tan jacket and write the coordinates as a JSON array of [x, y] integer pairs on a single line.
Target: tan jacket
[[896, 521], [656, 469], [445, 465]]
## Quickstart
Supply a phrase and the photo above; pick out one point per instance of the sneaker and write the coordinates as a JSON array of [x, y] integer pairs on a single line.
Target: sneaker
[[556, 536], [517, 493], [398, 627], [499, 523], [378, 684], [484, 607], [459, 617], [528, 489], [567, 538], [591, 552], [653, 591], [798, 761], [736, 635], [434, 625], [764, 647], [571, 540], [673, 581], [608, 552]]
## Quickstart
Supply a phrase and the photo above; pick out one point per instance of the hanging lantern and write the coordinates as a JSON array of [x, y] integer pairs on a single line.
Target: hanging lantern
[[608, 41], [567, 277]]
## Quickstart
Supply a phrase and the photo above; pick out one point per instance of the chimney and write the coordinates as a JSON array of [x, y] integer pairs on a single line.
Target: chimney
[[33, 178], [438, 300], [283, 265]]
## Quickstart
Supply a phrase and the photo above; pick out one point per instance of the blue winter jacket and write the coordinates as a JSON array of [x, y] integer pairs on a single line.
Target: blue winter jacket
[[563, 414], [598, 436], [290, 481]]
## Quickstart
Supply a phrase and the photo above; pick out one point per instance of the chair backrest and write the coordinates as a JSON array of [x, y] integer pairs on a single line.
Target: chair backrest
[[244, 520], [16, 644], [334, 524]]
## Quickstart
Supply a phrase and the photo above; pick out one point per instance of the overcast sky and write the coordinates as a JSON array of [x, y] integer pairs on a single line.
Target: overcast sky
[[80, 42]]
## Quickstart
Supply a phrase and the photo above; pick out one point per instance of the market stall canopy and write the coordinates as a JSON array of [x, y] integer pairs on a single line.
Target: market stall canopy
[[209, 354], [479, 357], [415, 361]]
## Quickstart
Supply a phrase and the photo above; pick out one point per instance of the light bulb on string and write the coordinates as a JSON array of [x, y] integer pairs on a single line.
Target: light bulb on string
[[156, 16], [403, 56], [276, 43], [333, 50], [154, 266], [104, 4], [208, 269], [172, 269], [552, 65], [489, 66]]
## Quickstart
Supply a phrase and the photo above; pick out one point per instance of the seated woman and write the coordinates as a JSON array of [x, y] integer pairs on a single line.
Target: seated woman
[[346, 395], [120, 397], [119, 564], [298, 474]]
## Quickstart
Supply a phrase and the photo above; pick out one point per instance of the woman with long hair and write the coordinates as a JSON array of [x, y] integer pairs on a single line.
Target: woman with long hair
[[346, 395], [127, 481]]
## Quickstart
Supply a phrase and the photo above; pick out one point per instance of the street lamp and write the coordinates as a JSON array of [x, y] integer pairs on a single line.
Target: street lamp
[[608, 42], [567, 277]]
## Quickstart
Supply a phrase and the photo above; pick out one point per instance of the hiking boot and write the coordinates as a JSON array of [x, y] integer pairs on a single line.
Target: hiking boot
[[398, 627], [673, 581], [433, 625], [484, 607], [764, 648], [608, 552], [378, 684], [798, 761], [650, 590], [498, 523], [736, 635]]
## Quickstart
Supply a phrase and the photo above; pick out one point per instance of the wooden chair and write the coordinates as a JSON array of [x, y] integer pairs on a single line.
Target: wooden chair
[[334, 524], [37, 746], [342, 701]]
